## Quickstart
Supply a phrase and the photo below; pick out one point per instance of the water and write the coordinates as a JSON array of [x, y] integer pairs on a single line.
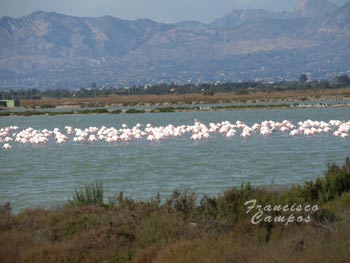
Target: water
[[48, 175]]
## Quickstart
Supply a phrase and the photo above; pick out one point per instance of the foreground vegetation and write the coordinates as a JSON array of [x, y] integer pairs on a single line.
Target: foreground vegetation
[[183, 228]]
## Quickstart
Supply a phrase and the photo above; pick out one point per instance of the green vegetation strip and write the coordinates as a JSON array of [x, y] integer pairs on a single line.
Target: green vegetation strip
[[155, 110], [55, 113], [183, 228]]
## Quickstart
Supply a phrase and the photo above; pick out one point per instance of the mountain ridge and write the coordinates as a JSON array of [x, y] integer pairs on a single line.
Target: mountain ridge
[[313, 8], [48, 49]]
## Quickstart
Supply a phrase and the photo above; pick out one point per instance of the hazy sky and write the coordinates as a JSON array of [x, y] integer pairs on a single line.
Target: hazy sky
[[167, 11]]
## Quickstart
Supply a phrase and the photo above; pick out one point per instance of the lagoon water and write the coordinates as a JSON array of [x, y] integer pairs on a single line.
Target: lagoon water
[[48, 175]]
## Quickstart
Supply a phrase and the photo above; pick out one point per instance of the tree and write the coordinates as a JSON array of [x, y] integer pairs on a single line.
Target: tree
[[303, 78], [342, 80]]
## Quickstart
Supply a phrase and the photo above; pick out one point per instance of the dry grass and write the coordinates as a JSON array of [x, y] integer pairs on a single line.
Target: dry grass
[[295, 245]]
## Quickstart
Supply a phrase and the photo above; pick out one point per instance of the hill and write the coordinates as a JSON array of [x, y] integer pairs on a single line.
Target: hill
[[49, 50]]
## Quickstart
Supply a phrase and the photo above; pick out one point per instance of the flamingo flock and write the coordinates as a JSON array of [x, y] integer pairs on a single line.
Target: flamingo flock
[[12, 135]]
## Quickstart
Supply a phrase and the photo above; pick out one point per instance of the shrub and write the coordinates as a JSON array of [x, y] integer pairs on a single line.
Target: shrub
[[134, 111], [47, 106], [6, 218], [183, 202], [115, 111], [163, 109], [208, 93], [335, 182], [93, 111]]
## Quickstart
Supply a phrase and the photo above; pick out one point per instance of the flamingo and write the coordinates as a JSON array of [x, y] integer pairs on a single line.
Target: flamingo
[[197, 130], [7, 146]]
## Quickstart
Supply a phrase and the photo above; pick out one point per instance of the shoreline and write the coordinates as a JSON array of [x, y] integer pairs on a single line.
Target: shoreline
[[169, 109], [120, 104]]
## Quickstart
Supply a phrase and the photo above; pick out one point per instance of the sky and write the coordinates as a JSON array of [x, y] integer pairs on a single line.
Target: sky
[[166, 11]]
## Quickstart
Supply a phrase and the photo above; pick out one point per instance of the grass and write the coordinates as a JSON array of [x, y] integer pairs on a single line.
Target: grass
[[184, 227]]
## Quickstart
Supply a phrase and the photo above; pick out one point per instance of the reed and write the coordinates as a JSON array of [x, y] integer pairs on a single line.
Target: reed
[[92, 194]]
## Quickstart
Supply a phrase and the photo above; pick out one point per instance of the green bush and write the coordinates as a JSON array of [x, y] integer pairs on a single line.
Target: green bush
[[163, 109], [115, 112], [134, 111], [5, 113], [335, 182], [93, 111]]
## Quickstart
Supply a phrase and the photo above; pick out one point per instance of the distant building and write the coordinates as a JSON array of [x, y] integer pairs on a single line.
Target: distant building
[[9, 103]]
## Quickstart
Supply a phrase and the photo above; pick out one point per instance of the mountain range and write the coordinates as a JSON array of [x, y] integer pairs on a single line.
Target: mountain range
[[50, 50]]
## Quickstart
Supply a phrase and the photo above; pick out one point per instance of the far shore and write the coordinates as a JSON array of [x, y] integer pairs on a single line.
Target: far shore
[[182, 103], [185, 108]]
